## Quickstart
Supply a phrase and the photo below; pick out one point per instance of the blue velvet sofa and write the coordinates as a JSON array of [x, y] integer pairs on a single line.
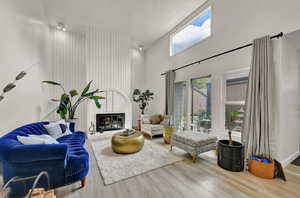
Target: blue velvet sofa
[[66, 163]]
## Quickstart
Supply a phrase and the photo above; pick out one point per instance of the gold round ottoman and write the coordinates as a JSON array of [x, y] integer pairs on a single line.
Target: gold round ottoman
[[127, 144]]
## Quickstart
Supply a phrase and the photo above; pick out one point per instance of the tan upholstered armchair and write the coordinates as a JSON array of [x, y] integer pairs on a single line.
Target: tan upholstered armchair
[[151, 125]]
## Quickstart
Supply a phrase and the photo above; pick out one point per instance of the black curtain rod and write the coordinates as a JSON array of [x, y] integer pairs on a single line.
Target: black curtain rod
[[220, 54]]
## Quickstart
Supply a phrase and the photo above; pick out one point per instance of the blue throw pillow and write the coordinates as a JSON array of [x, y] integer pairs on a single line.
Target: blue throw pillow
[[63, 127]]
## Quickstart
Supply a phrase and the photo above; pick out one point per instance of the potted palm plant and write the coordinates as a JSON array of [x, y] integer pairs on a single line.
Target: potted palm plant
[[230, 152], [70, 100]]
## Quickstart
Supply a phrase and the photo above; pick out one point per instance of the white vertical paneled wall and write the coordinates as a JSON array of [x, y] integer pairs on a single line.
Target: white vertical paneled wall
[[103, 57], [68, 67], [108, 65]]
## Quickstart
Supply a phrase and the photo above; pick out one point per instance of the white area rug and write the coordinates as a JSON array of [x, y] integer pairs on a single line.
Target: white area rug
[[116, 167]]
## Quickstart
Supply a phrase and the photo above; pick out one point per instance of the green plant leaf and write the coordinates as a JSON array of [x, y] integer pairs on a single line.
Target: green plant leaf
[[64, 105], [73, 93], [92, 93], [51, 83], [65, 100], [98, 105], [20, 75], [62, 114], [55, 100], [9, 87], [234, 114], [136, 92], [86, 89], [96, 97], [64, 97]]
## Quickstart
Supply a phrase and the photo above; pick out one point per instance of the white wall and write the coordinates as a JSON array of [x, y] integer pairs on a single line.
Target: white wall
[[235, 23], [68, 68], [138, 79], [24, 37], [108, 64], [288, 94], [231, 28]]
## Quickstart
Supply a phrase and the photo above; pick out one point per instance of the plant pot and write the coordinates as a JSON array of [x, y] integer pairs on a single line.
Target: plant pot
[[261, 169], [72, 124], [231, 157], [167, 133]]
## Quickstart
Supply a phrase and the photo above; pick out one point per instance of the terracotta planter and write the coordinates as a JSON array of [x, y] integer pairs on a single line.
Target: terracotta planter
[[139, 123], [261, 169]]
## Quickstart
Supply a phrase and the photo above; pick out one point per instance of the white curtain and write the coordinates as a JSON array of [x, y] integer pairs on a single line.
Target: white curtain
[[256, 129]]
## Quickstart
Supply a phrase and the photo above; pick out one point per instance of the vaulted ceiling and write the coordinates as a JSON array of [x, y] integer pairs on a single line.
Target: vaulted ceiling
[[144, 20]]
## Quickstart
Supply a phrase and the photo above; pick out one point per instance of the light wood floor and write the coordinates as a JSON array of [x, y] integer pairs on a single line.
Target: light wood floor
[[186, 179]]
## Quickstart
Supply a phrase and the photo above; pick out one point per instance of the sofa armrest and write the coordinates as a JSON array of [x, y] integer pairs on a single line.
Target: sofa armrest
[[37, 152]]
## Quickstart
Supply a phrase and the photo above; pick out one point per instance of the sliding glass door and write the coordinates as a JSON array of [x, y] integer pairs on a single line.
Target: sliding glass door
[[201, 104], [180, 105]]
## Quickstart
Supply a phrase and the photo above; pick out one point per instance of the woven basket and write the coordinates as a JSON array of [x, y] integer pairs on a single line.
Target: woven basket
[[261, 169]]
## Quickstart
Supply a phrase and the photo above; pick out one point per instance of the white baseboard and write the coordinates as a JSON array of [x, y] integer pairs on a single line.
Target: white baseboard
[[288, 160]]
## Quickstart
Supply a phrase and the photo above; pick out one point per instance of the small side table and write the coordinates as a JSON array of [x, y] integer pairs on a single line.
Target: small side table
[[167, 133]]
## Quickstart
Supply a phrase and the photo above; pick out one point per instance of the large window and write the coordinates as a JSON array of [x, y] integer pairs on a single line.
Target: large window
[[192, 33], [201, 103], [236, 90]]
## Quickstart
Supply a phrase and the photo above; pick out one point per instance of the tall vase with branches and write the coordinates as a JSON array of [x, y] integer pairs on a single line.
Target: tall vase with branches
[[70, 100], [10, 86], [142, 99]]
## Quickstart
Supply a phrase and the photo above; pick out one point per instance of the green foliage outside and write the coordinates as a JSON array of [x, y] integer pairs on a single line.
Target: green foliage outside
[[200, 83], [231, 116], [202, 115]]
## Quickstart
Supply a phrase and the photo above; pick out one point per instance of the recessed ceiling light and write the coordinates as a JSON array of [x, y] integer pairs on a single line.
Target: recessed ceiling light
[[141, 48], [60, 26]]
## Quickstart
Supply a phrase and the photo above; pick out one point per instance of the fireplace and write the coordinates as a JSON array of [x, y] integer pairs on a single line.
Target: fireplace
[[110, 121]]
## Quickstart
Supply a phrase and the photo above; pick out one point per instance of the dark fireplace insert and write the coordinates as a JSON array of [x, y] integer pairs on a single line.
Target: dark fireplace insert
[[110, 121]]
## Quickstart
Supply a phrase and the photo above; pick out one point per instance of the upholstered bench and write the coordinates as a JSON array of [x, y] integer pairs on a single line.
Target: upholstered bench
[[193, 142]]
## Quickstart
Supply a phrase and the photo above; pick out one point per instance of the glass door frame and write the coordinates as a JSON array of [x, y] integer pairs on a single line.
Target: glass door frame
[[185, 95], [192, 96]]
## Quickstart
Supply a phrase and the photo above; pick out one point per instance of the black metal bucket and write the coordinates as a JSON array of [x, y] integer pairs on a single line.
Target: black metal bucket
[[231, 157]]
